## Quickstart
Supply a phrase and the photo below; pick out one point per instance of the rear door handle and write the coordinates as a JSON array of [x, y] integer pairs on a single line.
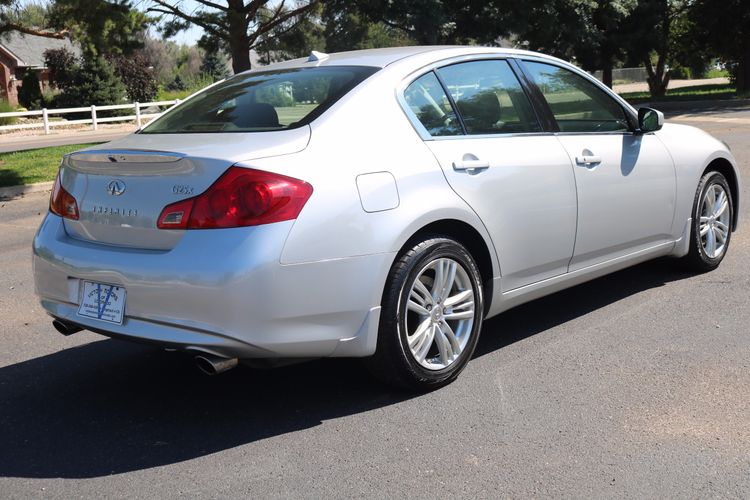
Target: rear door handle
[[588, 160], [471, 166]]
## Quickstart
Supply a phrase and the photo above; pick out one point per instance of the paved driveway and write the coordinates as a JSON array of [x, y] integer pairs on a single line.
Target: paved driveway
[[633, 385]]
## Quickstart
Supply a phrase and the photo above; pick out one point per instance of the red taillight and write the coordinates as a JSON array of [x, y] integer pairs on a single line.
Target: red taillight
[[62, 202], [240, 197]]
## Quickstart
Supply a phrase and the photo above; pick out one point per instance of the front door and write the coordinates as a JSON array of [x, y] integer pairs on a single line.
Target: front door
[[625, 181]]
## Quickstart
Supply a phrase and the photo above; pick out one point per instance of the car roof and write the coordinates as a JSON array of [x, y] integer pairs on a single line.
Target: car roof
[[381, 58]]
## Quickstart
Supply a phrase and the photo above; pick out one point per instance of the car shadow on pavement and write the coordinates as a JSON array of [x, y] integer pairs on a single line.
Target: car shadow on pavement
[[110, 407], [559, 308]]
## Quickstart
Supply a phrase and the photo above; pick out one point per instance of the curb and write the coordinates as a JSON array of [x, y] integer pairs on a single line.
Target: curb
[[690, 105], [11, 192]]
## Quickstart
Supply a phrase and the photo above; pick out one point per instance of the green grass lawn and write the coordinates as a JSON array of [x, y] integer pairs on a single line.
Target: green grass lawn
[[34, 165], [695, 93]]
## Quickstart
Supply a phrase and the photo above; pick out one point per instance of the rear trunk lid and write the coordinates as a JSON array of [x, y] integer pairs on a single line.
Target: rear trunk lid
[[121, 187]]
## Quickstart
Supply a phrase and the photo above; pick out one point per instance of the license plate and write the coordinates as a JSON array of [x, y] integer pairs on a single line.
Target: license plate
[[102, 302]]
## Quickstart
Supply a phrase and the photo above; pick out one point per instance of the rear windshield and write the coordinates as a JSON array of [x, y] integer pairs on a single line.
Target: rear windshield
[[258, 102]]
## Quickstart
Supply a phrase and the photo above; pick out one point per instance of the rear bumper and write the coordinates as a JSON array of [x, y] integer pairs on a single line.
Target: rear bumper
[[219, 291]]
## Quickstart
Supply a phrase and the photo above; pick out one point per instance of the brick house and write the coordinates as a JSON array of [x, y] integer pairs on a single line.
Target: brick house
[[19, 53]]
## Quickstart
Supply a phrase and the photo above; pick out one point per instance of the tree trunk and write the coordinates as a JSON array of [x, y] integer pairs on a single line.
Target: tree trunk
[[743, 70], [658, 78], [240, 56], [607, 76], [239, 42]]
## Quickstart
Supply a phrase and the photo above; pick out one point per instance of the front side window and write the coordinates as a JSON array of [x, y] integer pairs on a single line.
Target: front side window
[[427, 100], [489, 97], [258, 102], [577, 104]]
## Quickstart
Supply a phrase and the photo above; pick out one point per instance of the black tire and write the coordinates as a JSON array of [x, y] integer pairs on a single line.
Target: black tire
[[393, 361], [697, 259]]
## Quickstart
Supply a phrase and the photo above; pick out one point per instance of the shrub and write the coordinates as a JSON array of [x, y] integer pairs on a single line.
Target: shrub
[[93, 82], [214, 65], [177, 85], [5, 107], [60, 63], [136, 73], [30, 93]]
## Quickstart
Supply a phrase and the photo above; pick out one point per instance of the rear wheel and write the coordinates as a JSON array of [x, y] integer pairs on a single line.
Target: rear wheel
[[431, 316], [713, 216]]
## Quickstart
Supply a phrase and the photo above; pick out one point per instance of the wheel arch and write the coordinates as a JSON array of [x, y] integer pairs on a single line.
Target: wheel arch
[[463, 232], [725, 168]]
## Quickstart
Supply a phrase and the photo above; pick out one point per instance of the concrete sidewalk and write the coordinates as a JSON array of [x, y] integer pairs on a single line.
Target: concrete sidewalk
[[18, 142], [673, 84]]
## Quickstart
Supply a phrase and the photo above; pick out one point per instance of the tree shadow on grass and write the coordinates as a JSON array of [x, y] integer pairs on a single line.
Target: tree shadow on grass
[[111, 407], [9, 177]]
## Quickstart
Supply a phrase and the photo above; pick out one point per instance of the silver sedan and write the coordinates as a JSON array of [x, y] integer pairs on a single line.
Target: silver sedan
[[376, 204]]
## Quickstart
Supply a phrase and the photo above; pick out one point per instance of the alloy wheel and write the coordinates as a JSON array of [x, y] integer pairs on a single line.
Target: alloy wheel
[[714, 221], [440, 313]]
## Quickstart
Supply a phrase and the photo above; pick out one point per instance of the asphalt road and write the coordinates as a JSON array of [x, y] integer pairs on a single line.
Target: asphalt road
[[634, 385]]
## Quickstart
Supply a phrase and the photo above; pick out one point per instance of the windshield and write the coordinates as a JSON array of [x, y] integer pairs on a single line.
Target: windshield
[[258, 102]]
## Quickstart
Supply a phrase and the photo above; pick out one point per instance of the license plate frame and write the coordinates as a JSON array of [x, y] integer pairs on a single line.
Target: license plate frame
[[103, 302]]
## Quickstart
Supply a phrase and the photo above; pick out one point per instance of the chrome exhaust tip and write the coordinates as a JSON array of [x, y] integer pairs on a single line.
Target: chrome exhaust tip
[[65, 328], [213, 365]]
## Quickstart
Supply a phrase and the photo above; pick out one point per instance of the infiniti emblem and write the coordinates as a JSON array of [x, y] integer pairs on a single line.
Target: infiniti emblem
[[116, 187]]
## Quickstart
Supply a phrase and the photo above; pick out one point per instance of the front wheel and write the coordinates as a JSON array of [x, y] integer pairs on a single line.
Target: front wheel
[[713, 216], [431, 316]]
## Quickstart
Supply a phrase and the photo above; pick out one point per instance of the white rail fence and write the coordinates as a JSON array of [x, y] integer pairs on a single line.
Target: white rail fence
[[139, 117]]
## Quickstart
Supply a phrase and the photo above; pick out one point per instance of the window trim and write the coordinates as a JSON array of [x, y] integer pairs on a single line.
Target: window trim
[[432, 67], [451, 100]]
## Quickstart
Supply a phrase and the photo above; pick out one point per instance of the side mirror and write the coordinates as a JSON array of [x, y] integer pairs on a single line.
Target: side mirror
[[649, 120]]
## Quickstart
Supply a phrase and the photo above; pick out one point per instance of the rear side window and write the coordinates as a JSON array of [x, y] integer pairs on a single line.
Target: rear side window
[[489, 97], [257, 102], [578, 104], [427, 100]]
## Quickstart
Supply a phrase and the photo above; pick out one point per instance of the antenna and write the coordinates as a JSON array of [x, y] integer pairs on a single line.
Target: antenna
[[316, 56]]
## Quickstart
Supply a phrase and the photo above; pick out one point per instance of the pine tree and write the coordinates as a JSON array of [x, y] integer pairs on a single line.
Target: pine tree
[[214, 65]]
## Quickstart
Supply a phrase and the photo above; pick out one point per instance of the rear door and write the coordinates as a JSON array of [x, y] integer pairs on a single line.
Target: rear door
[[480, 125], [625, 181]]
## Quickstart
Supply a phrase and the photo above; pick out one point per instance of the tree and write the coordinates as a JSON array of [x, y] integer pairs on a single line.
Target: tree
[[294, 38], [238, 25], [102, 27], [724, 27], [431, 22], [91, 80], [30, 94], [17, 16], [30, 14], [589, 31], [654, 26], [95, 83], [136, 73], [347, 27], [214, 65]]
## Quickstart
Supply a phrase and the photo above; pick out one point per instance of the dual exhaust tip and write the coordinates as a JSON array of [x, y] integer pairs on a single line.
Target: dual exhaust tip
[[207, 363], [213, 365], [65, 328]]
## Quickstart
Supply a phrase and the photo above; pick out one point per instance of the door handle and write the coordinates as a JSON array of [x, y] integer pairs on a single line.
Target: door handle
[[471, 166], [587, 160]]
